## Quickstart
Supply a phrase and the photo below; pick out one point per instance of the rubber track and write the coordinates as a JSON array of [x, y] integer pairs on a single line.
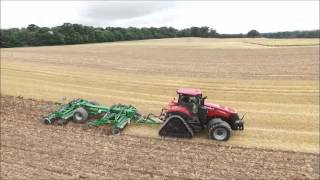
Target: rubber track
[[176, 135]]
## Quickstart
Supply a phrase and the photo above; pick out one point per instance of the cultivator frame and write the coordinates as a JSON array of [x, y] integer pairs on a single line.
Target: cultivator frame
[[66, 111], [117, 115]]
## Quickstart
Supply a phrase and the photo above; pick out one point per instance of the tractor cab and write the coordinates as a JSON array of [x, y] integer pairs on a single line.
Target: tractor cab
[[190, 98]]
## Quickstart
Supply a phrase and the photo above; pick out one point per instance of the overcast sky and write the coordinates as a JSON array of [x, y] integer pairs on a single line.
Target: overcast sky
[[225, 17]]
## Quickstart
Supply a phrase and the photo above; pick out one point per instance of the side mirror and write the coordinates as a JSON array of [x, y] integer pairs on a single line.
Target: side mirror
[[203, 99]]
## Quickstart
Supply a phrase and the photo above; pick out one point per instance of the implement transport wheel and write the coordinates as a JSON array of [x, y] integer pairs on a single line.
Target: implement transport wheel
[[80, 115], [116, 130], [219, 130], [46, 121]]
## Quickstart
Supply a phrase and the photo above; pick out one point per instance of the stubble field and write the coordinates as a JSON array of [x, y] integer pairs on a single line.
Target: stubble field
[[277, 88]]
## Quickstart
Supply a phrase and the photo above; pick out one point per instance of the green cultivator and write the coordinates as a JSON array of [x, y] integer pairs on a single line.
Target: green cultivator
[[117, 115]]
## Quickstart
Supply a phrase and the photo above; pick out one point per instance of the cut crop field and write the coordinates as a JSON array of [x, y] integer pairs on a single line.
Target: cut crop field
[[277, 88]]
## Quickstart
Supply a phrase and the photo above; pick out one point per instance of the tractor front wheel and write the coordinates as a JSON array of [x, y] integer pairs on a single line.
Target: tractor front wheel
[[219, 130], [80, 115]]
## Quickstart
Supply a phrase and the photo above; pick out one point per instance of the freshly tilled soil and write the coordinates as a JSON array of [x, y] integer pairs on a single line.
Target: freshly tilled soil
[[31, 150]]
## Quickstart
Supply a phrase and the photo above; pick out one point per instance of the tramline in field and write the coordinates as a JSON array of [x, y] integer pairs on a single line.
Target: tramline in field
[[180, 119]]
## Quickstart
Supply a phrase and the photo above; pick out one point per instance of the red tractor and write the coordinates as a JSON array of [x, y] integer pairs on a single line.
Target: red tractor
[[190, 113]]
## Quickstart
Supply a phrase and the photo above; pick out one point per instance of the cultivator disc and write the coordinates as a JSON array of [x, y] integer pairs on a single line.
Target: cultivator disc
[[175, 126]]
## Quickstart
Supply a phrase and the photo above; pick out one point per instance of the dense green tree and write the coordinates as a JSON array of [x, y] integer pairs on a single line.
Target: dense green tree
[[147, 34], [9, 38], [184, 33], [33, 27], [195, 31], [109, 36], [99, 35], [71, 36], [204, 31], [253, 33], [118, 35], [293, 34], [68, 33], [213, 33]]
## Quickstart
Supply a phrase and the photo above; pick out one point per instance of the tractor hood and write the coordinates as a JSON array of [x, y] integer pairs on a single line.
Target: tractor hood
[[212, 106]]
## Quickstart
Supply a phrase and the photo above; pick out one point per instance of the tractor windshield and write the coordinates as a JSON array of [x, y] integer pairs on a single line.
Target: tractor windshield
[[186, 99], [191, 102]]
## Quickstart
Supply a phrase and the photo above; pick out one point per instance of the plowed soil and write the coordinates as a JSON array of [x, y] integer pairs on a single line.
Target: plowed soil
[[32, 150]]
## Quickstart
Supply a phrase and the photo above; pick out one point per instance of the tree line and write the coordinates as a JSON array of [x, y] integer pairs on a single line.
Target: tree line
[[68, 33]]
